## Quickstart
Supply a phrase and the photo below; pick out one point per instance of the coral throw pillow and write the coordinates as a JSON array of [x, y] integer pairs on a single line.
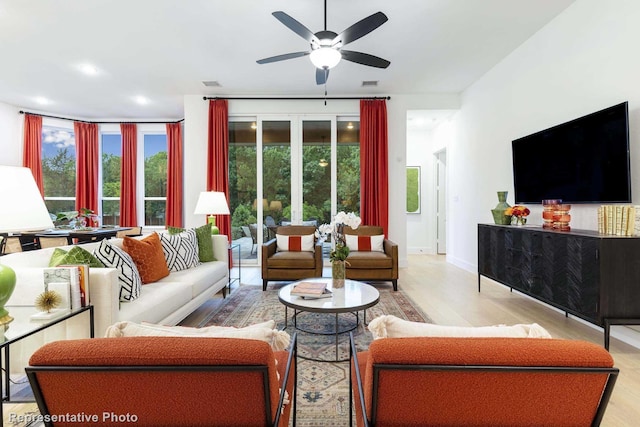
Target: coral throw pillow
[[365, 243], [294, 243], [148, 256]]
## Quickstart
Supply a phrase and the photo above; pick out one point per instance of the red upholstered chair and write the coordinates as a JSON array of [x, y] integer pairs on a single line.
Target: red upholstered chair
[[165, 381], [291, 265], [481, 382]]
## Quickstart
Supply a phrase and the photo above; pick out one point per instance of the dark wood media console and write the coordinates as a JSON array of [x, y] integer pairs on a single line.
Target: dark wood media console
[[591, 276]]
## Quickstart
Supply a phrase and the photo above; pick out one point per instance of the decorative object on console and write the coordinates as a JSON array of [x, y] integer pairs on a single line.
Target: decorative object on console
[[499, 216], [340, 252], [619, 220], [212, 203], [519, 213], [561, 218], [22, 209], [548, 211]]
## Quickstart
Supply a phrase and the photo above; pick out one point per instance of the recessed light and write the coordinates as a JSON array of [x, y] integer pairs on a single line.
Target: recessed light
[[141, 100], [350, 125], [88, 69], [42, 100]]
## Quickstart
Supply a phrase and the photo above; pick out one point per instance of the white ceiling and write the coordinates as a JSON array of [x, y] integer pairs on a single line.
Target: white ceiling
[[165, 49]]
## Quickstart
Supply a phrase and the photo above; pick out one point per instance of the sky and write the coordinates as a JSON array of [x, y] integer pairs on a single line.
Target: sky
[[54, 139]]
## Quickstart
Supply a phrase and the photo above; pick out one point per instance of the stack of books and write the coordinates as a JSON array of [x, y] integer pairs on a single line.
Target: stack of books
[[619, 220], [311, 290]]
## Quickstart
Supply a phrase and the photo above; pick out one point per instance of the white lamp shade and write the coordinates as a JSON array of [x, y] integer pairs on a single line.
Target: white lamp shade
[[22, 207], [212, 203], [325, 57]]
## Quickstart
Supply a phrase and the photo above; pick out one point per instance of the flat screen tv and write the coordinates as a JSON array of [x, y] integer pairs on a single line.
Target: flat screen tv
[[585, 160]]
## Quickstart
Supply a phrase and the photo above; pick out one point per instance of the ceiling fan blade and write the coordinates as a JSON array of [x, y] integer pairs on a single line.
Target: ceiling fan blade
[[296, 27], [282, 57], [322, 75], [364, 59], [360, 28]]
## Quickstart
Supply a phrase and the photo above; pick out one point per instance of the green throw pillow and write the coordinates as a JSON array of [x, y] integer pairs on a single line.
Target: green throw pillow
[[76, 255], [205, 245]]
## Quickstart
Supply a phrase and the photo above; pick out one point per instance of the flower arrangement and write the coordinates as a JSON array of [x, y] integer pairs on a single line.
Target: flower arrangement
[[519, 212], [336, 230], [77, 219]]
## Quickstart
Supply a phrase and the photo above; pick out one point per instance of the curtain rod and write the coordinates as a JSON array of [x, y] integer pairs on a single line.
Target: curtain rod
[[312, 98], [100, 123]]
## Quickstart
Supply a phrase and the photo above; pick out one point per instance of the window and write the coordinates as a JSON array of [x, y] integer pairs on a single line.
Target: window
[[111, 163], [155, 179], [151, 174], [59, 168]]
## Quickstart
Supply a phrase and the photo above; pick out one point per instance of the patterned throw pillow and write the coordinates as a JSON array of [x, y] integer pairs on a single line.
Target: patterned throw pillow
[[294, 243], [205, 245], [180, 250], [76, 255], [148, 256], [365, 243], [128, 277]]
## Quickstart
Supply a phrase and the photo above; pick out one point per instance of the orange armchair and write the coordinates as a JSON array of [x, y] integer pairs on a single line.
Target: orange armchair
[[481, 382], [165, 381], [281, 265]]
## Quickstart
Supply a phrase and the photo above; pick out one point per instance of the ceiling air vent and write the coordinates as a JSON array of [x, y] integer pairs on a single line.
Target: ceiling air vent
[[366, 83], [211, 83]]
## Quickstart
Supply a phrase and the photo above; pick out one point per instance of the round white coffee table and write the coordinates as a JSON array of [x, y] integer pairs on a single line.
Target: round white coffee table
[[353, 297]]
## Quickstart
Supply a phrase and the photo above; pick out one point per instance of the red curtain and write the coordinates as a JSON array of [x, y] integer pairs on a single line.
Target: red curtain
[[374, 164], [32, 153], [86, 165], [128, 213], [218, 157], [174, 175]]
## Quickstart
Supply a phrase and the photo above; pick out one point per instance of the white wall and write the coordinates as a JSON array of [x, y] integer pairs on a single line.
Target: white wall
[[10, 135], [195, 145], [582, 61]]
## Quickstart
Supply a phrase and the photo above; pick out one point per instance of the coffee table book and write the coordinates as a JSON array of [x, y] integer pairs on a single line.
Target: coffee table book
[[309, 289]]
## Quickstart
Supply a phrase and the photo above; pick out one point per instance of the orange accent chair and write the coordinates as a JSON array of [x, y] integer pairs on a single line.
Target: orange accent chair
[[165, 381], [373, 266], [481, 382], [279, 265]]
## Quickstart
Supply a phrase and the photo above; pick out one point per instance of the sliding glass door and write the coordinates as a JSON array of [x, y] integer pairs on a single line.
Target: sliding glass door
[[288, 170]]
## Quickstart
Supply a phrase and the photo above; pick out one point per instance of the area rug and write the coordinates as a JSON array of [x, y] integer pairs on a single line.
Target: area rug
[[323, 387]]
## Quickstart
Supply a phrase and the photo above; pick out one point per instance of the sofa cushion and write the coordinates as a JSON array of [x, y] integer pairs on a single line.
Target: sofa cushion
[[295, 243], [292, 260], [128, 275], [369, 260], [148, 256], [205, 245], [365, 243], [200, 277], [278, 340], [180, 250], [156, 301], [388, 326], [76, 255]]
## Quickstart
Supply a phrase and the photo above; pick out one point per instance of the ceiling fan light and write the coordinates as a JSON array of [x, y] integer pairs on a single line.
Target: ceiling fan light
[[325, 57]]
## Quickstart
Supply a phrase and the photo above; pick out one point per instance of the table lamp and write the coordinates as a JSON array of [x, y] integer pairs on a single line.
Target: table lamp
[[22, 208], [212, 203]]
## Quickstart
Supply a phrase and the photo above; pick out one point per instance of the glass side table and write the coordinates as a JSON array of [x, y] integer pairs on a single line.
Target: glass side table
[[233, 280], [23, 327]]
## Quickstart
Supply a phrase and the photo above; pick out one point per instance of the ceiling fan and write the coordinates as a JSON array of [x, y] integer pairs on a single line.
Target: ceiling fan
[[327, 46]]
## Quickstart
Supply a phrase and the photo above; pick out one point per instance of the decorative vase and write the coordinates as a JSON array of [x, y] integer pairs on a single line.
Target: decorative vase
[[549, 207], [7, 285], [498, 212], [338, 273]]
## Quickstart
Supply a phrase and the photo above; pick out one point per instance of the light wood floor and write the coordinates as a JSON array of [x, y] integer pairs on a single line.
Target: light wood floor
[[449, 295]]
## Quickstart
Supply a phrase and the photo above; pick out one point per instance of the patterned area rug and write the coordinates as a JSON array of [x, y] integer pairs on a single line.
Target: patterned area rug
[[323, 388]]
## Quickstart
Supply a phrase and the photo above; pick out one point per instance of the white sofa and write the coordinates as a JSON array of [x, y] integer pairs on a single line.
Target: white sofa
[[166, 301]]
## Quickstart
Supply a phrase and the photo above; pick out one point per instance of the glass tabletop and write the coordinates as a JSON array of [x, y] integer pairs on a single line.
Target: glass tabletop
[[353, 296], [23, 325]]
